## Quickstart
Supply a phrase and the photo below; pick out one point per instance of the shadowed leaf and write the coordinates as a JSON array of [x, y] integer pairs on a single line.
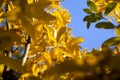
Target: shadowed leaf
[[7, 38], [28, 27], [86, 10], [88, 25], [92, 6], [110, 7], [1, 2], [36, 10], [93, 17], [13, 64], [111, 42], [105, 25], [66, 66]]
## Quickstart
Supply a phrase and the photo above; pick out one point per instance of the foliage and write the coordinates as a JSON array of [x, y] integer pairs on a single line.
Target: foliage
[[109, 10], [34, 37], [36, 44]]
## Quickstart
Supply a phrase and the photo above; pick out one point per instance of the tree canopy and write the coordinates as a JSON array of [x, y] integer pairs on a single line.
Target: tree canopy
[[36, 42]]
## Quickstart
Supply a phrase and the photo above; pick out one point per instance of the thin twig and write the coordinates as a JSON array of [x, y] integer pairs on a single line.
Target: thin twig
[[37, 54], [6, 10], [27, 47]]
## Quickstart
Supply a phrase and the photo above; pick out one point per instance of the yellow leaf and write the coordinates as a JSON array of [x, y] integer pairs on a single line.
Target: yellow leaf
[[11, 15], [23, 9], [58, 55], [76, 40], [7, 38], [36, 10], [77, 53], [43, 4], [69, 30], [117, 30], [50, 35], [30, 1], [60, 33], [25, 75], [52, 51], [47, 58], [65, 52], [34, 67], [1, 68]]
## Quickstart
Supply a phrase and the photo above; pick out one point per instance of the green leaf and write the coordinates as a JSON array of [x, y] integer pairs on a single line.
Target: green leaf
[[105, 25], [92, 6], [13, 64], [88, 11], [7, 38], [93, 17], [88, 25], [110, 7], [111, 42]]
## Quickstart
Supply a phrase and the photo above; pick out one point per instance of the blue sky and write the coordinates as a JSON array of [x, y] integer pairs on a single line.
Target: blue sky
[[93, 36]]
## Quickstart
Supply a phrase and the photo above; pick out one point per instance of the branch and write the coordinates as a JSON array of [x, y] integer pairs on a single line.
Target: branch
[[27, 47], [6, 10]]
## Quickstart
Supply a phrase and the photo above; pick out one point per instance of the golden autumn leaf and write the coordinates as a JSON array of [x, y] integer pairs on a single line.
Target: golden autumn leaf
[[36, 10], [1, 68], [25, 75], [30, 1], [60, 33], [117, 30], [65, 52], [76, 40], [34, 67], [25, 11], [47, 58], [11, 16]]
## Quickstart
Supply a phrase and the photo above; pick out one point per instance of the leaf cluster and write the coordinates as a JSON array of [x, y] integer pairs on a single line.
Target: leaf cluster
[[34, 37], [36, 44], [107, 11]]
